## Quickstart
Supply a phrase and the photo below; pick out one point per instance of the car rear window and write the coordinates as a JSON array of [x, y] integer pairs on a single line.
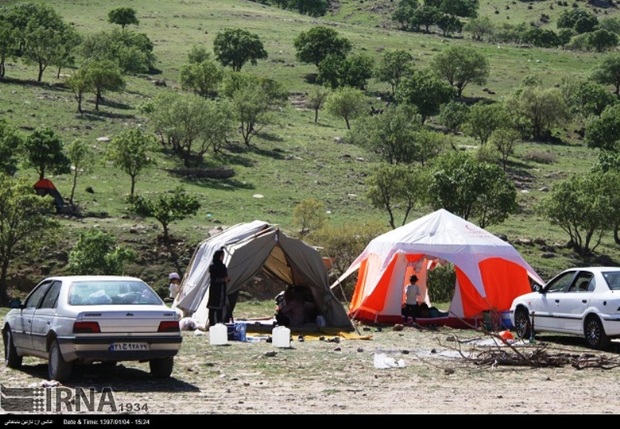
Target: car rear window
[[112, 293], [613, 279]]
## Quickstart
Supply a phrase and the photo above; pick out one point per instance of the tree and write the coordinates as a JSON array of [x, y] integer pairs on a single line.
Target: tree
[[202, 78], [346, 103], [234, 47], [404, 13], [254, 101], [96, 253], [353, 71], [8, 40], [541, 109], [505, 140], [24, 224], [426, 92], [102, 76], [393, 67], [198, 54], [131, 152], [449, 24], [10, 146], [78, 84], [391, 136], [123, 16], [43, 150], [453, 115], [177, 205], [471, 189], [579, 20], [460, 66], [357, 71], [484, 118], [38, 29], [314, 45], [602, 132], [583, 207], [190, 125], [316, 99], [608, 72], [82, 159], [309, 215], [610, 161], [395, 187], [63, 53], [463, 8], [132, 52], [480, 28], [602, 40], [585, 98]]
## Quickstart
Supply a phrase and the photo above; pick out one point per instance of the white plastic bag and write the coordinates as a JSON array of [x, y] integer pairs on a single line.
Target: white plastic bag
[[382, 361]]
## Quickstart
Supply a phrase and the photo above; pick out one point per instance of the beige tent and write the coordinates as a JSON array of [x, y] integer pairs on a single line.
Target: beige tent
[[249, 249]]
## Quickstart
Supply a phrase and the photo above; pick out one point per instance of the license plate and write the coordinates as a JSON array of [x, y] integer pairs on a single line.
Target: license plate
[[128, 347]]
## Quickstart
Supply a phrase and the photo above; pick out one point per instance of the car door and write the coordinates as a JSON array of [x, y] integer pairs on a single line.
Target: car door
[[546, 309], [44, 316], [23, 330], [573, 304]]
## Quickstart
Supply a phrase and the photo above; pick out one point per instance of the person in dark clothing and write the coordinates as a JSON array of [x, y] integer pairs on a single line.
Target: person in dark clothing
[[217, 289]]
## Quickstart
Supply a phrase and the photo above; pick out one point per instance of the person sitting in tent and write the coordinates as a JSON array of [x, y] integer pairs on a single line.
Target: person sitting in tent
[[291, 310], [412, 292]]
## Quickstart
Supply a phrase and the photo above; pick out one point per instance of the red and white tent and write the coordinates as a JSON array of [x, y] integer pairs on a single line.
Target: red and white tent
[[490, 272]]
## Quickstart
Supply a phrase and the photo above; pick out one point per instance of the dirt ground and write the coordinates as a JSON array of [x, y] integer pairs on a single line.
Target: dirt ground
[[436, 371]]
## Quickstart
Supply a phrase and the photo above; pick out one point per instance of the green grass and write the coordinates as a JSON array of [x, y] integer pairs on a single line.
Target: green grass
[[295, 159]]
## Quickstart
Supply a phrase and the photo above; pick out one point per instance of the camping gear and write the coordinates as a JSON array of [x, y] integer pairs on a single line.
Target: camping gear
[[236, 331], [490, 272], [45, 187], [218, 334], [250, 248], [281, 336]]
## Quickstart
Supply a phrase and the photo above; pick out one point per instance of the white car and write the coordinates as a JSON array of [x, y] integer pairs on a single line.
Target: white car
[[71, 320], [578, 301]]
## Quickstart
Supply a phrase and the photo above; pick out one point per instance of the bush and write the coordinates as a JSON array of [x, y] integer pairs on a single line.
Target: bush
[[540, 157]]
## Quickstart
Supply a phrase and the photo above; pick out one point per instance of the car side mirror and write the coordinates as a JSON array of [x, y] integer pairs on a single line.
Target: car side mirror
[[15, 303], [538, 288]]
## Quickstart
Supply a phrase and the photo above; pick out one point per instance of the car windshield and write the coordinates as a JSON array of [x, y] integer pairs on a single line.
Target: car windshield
[[613, 279], [112, 292]]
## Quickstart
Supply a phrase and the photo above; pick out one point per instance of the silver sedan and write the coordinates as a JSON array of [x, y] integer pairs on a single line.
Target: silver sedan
[[69, 320], [579, 301]]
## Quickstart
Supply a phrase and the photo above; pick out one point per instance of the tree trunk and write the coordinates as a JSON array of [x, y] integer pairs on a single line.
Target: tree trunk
[[74, 183], [4, 297], [41, 68]]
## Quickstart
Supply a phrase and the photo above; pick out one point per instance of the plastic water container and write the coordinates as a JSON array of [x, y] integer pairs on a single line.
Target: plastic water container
[[218, 334], [281, 336], [240, 331]]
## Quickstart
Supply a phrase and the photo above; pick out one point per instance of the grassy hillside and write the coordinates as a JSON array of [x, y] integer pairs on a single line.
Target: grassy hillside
[[295, 159]]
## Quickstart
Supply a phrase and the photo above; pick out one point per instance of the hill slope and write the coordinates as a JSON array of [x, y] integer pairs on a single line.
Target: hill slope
[[293, 160]]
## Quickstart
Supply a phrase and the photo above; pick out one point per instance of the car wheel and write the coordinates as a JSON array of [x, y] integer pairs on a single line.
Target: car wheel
[[523, 325], [57, 368], [595, 334], [161, 368], [11, 358]]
